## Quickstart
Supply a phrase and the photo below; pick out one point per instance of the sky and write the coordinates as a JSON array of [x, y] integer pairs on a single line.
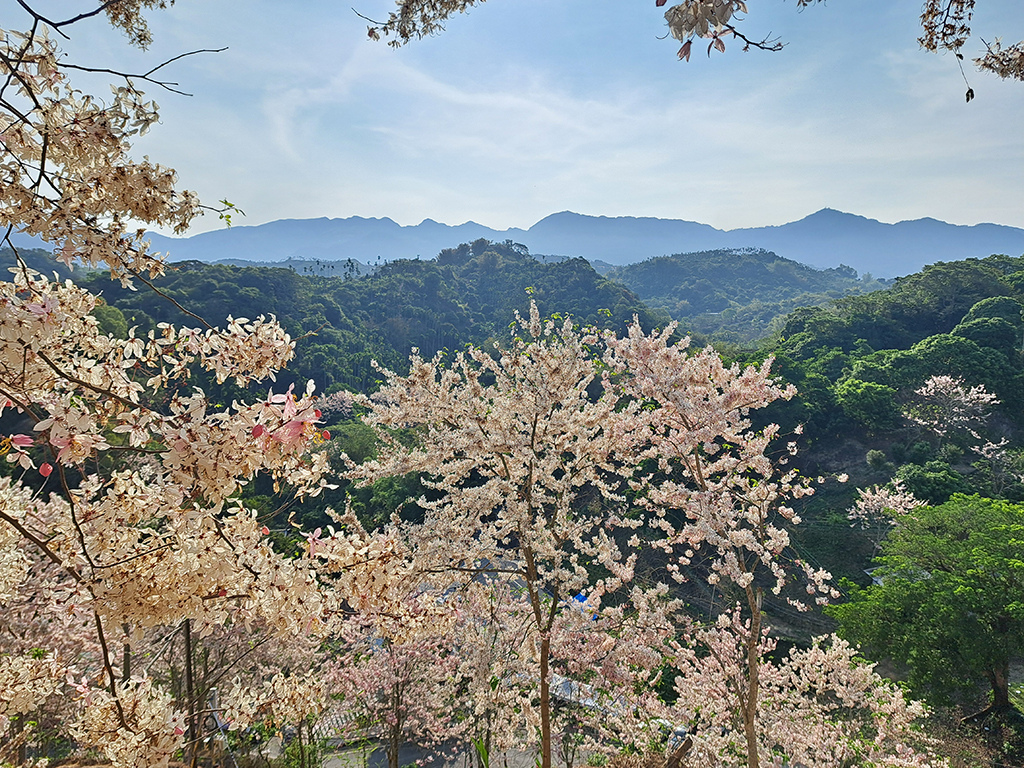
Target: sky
[[523, 108]]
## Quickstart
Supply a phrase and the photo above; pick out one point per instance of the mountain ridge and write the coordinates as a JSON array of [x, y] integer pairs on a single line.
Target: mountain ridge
[[824, 239]]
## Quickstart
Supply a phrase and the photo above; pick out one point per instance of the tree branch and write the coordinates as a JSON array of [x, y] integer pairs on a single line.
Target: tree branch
[[147, 76]]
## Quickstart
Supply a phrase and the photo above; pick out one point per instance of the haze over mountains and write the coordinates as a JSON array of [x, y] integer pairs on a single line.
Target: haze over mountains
[[824, 239]]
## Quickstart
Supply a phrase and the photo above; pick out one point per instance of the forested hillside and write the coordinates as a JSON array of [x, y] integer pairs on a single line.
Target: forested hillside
[[736, 295], [861, 366], [466, 294], [858, 361]]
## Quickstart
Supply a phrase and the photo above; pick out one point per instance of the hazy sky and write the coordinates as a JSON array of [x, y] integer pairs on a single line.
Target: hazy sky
[[527, 107]]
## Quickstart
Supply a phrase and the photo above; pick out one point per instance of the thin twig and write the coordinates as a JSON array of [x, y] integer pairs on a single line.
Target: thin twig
[[766, 44], [146, 76], [50, 554], [110, 671], [98, 390]]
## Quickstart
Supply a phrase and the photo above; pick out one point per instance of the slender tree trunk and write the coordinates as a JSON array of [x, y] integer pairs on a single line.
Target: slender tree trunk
[[753, 679], [126, 658], [545, 701], [20, 751], [543, 625], [190, 693], [1000, 677], [396, 743], [396, 729]]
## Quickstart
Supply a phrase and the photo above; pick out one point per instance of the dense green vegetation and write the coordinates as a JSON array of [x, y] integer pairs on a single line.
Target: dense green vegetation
[[946, 601], [466, 294], [859, 362], [946, 605], [736, 295]]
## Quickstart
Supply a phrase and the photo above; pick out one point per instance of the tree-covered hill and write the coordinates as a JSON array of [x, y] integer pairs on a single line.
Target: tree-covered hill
[[736, 295], [858, 361], [859, 365], [467, 294]]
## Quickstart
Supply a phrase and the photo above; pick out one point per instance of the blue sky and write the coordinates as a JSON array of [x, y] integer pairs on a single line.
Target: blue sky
[[527, 107]]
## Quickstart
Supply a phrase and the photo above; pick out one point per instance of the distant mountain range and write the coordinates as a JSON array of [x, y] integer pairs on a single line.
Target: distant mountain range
[[824, 239]]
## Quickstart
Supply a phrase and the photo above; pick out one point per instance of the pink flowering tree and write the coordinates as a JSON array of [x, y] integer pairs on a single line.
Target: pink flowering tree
[[720, 496], [878, 509], [139, 526], [718, 499], [610, 659], [523, 461], [495, 668], [818, 707], [955, 413], [406, 689], [949, 409]]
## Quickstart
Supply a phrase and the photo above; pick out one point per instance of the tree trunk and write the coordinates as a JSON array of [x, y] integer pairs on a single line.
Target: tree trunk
[[20, 751], [485, 758], [753, 681], [545, 702], [126, 657], [393, 747], [1000, 677], [397, 727], [190, 695]]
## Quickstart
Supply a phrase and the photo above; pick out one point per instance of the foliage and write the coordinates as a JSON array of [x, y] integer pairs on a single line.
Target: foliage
[[946, 599], [735, 295], [467, 294]]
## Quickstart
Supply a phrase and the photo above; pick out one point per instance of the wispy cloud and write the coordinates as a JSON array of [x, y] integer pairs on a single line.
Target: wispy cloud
[[504, 121]]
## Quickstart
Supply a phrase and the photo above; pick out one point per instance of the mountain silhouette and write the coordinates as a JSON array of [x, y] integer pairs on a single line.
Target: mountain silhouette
[[824, 239]]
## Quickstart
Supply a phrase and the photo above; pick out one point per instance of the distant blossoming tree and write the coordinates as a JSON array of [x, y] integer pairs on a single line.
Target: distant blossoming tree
[[948, 408]]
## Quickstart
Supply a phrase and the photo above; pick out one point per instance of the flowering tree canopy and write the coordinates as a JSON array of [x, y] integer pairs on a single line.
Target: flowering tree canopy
[[120, 511], [530, 451], [946, 25]]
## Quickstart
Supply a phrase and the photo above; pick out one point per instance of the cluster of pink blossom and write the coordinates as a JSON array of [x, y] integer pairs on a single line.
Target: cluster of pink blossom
[[819, 707], [947, 407], [137, 528], [530, 472], [879, 508]]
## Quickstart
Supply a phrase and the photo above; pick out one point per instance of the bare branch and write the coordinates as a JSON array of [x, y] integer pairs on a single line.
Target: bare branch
[[146, 76]]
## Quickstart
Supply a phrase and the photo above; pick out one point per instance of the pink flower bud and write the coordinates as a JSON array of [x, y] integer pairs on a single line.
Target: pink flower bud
[[45, 469], [259, 430]]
